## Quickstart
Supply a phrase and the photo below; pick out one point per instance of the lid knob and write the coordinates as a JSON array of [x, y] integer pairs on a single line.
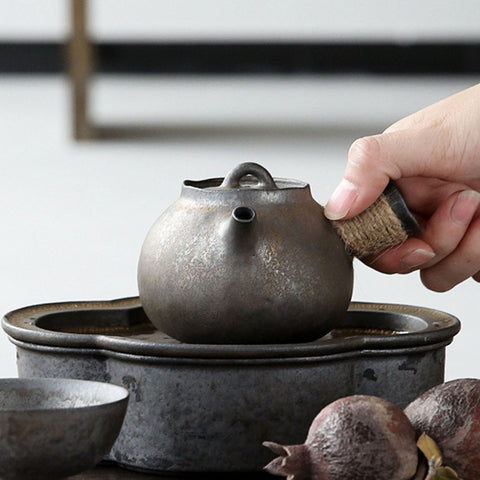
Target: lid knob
[[261, 174]]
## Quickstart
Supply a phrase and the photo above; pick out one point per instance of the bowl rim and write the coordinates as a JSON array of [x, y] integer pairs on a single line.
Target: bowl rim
[[27, 383]]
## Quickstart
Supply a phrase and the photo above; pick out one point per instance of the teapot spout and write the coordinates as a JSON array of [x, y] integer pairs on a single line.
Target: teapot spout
[[243, 214], [239, 231]]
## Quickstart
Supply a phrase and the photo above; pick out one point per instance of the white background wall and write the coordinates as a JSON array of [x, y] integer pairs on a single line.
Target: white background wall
[[403, 20]]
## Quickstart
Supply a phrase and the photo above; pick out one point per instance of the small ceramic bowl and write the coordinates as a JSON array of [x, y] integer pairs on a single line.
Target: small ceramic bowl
[[54, 428]]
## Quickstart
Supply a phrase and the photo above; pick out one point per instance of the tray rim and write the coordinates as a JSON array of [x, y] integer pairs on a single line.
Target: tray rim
[[20, 326]]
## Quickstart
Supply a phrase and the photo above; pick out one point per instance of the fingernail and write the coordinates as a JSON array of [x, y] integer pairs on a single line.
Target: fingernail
[[341, 201], [416, 258], [464, 207]]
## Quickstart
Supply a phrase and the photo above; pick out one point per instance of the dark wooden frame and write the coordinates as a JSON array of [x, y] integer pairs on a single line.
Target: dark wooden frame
[[282, 58], [80, 69]]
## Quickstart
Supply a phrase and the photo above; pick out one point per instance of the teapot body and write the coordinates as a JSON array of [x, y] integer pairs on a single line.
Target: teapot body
[[243, 264]]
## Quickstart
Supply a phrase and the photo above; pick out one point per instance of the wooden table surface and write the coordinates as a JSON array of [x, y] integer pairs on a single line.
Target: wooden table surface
[[110, 472]]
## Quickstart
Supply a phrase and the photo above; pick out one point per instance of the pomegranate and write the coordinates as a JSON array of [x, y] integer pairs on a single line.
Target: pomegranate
[[449, 413], [359, 437]]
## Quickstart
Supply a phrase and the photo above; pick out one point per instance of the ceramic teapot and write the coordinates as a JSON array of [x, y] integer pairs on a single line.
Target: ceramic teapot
[[245, 259]]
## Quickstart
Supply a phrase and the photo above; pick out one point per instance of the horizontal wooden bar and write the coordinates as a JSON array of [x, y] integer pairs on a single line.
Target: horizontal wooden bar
[[250, 58]]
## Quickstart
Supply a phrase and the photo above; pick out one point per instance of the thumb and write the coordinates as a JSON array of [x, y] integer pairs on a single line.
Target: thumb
[[373, 161]]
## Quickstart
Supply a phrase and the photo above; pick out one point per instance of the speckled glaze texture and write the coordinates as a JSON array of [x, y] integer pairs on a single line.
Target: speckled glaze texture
[[244, 263], [53, 428]]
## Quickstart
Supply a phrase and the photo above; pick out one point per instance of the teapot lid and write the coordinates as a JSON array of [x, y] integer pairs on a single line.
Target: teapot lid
[[247, 175]]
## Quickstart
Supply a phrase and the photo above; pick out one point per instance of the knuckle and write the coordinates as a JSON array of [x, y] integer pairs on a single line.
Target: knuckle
[[365, 152], [372, 153]]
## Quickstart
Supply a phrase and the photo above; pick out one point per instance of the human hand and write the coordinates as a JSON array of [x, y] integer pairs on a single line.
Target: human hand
[[434, 158]]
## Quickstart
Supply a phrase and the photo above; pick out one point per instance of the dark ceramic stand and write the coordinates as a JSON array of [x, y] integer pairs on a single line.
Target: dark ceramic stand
[[208, 408]]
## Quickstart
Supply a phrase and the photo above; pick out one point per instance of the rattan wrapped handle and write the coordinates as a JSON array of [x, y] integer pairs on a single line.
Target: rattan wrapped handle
[[386, 223]]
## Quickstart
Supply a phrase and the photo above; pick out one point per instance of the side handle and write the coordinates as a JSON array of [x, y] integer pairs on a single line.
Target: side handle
[[386, 223]]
